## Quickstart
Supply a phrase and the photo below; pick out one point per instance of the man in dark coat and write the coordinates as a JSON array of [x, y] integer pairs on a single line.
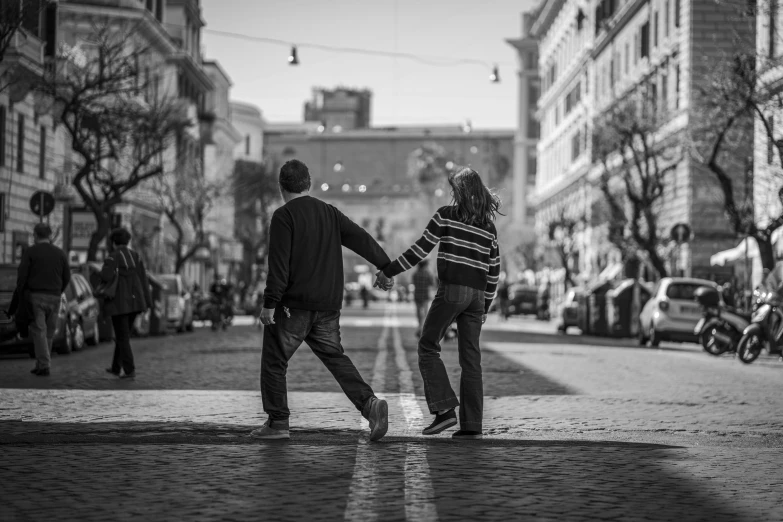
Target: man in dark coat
[[131, 298], [42, 277]]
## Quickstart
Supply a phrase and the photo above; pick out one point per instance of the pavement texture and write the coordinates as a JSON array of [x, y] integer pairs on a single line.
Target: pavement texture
[[575, 429]]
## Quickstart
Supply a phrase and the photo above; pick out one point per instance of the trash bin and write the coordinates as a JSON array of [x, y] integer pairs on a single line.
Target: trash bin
[[619, 307], [597, 314]]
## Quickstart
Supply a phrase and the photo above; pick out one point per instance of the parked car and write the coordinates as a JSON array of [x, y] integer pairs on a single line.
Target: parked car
[[569, 311], [78, 314], [78, 322], [522, 299], [672, 314], [177, 302]]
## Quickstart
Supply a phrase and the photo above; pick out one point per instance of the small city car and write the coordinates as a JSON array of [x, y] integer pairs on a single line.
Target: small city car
[[671, 314], [523, 299], [177, 302], [78, 324]]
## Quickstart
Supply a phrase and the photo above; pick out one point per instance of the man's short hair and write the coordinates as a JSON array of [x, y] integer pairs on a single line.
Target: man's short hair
[[42, 231], [294, 177], [120, 236]]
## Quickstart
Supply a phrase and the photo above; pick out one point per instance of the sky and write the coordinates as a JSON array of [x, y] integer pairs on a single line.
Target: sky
[[405, 92]]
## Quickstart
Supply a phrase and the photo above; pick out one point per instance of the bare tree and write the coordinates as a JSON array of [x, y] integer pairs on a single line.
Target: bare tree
[[186, 197], [119, 124], [257, 195], [735, 95], [636, 160], [561, 238]]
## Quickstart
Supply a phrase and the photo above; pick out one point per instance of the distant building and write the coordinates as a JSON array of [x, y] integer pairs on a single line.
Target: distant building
[[247, 120], [371, 174], [339, 109]]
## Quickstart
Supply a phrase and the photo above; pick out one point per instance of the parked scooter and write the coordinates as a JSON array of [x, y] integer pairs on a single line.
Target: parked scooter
[[766, 328], [721, 328]]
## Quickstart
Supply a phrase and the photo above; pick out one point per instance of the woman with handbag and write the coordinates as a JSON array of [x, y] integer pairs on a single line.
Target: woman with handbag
[[126, 293]]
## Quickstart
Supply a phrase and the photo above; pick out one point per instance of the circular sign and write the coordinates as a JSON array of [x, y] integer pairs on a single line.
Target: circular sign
[[42, 203], [681, 233]]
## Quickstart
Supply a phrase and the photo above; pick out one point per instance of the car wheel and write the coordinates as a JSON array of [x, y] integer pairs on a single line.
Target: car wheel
[[655, 338], [66, 346], [78, 337], [95, 338], [642, 337]]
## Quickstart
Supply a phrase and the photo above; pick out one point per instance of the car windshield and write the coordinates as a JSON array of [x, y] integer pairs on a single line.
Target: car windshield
[[683, 291]]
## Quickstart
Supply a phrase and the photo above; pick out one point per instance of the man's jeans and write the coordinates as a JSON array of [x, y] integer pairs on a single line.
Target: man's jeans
[[321, 332], [123, 354], [45, 310], [466, 305]]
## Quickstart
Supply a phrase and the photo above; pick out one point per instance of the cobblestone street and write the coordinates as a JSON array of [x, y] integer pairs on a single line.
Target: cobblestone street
[[575, 429]]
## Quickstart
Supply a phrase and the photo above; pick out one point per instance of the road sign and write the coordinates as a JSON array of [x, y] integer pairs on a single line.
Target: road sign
[[42, 203], [681, 233]]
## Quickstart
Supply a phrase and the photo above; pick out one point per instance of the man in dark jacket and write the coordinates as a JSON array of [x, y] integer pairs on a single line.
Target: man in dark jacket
[[303, 297], [43, 273]]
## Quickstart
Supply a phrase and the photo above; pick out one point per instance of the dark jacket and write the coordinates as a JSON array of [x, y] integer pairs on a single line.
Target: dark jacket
[[43, 270], [306, 237], [133, 289]]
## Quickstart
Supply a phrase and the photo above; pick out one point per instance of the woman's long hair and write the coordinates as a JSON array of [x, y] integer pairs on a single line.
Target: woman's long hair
[[476, 204]]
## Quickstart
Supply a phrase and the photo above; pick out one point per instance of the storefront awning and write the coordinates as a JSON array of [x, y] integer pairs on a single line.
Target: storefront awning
[[747, 249]]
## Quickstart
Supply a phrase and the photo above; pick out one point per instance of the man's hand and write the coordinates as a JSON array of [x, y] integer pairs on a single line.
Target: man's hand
[[483, 318], [267, 316], [383, 282]]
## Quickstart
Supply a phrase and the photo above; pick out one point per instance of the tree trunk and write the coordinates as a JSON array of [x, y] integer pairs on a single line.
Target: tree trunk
[[103, 223], [657, 263], [766, 252]]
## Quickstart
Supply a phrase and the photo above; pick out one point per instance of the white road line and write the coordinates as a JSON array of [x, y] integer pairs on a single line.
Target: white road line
[[363, 496], [419, 494]]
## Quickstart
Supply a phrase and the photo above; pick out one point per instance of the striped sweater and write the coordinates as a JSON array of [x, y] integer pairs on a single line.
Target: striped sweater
[[467, 256]]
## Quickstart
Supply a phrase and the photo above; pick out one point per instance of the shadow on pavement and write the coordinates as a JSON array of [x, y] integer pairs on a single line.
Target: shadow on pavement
[[317, 474]]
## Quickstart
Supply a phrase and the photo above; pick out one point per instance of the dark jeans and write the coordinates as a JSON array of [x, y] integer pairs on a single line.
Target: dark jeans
[[45, 310], [123, 355], [466, 305], [321, 332]]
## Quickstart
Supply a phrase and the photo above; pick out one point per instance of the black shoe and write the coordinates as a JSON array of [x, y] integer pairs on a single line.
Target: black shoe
[[109, 370], [467, 435], [42, 373], [441, 422], [34, 370], [131, 376]]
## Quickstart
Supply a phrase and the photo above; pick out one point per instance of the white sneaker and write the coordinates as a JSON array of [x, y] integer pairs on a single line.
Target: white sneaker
[[268, 433]]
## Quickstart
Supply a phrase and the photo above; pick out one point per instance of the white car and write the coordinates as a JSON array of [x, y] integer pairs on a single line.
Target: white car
[[671, 314]]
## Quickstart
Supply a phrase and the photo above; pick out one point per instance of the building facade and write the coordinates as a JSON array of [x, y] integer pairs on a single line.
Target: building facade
[[339, 109], [594, 55], [249, 123]]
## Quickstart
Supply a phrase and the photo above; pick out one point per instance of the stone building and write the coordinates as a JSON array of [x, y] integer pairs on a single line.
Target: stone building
[[594, 54]]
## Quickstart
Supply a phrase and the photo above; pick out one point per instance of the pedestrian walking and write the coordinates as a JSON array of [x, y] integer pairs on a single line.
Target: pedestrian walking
[[42, 276], [303, 298], [503, 298], [422, 283], [468, 273], [132, 296]]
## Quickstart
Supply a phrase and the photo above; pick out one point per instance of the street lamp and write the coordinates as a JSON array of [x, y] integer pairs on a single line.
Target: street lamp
[[293, 58], [495, 76]]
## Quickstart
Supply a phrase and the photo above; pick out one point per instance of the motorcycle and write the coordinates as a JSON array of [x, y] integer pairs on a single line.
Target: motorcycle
[[219, 316], [721, 328], [766, 328]]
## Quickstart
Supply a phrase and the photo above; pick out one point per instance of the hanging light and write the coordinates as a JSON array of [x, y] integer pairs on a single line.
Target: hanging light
[[293, 58], [495, 76]]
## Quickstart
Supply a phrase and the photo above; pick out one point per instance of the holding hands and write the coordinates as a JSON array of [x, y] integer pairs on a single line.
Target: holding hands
[[383, 282]]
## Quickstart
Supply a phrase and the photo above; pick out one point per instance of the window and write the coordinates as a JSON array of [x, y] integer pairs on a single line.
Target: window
[[750, 8], [676, 13], [645, 40], [159, 10], [611, 73], [773, 14], [20, 145], [666, 19], [576, 145], [655, 29], [42, 154], [247, 145], [771, 141], [677, 86], [150, 5], [2, 211], [573, 98], [665, 91], [635, 48], [580, 20], [2, 135]]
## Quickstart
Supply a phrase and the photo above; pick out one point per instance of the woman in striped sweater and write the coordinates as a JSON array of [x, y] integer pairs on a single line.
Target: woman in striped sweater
[[468, 270]]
